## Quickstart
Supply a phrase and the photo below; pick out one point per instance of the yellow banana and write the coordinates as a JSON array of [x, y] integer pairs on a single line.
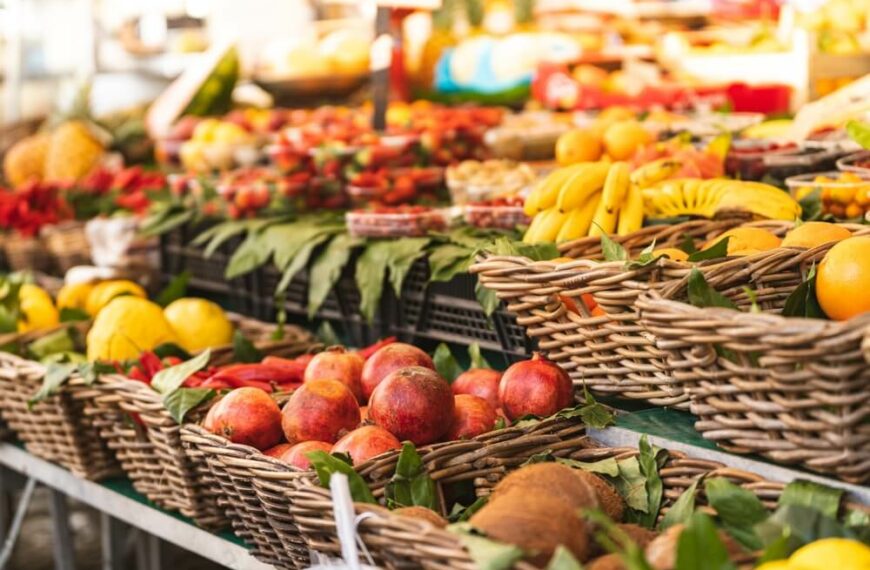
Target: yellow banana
[[707, 198], [631, 214], [615, 186], [585, 182], [549, 223], [530, 206], [655, 171], [553, 184], [579, 220], [603, 222]]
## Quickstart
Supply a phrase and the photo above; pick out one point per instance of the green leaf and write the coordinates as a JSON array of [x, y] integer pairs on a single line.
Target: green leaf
[[90, 371], [403, 255], [487, 298], [682, 509], [217, 235], [448, 260], [753, 299], [699, 546], [55, 376], [371, 268], [799, 525], [719, 249], [645, 257], [170, 379], [411, 484], [859, 132], [251, 254], [855, 517], [631, 484], [286, 241], [811, 205], [73, 315], [609, 466], [616, 540], [244, 350], [182, 400], [824, 499], [327, 268], [803, 301], [325, 465], [500, 423], [174, 290], [462, 514], [563, 560], [166, 222], [477, 360], [58, 341], [299, 261], [688, 244], [702, 295], [592, 413], [487, 554], [648, 461], [327, 335], [738, 509], [171, 349], [445, 363], [611, 250]]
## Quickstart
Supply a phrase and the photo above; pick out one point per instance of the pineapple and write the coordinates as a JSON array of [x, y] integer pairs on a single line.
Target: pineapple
[[74, 150], [26, 159]]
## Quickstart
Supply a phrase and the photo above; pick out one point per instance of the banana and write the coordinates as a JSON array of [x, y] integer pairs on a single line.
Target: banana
[[530, 206], [603, 222], [583, 184], [615, 186], [631, 215], [579, 220], [550, 221], [655, 171], [553, 184]]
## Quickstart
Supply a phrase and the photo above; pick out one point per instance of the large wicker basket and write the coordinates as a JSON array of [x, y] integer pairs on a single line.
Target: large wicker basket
[[612, 354], [26, 254], [147, 441], [67, 245], [795, 390], [401, 542], [266, 509]]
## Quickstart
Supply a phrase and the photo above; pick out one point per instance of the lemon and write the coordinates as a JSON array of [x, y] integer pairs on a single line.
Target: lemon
[[127, 326], [74, 295], [198, 323], [104, 292], [777, 565], [37, 309], [830, 553]]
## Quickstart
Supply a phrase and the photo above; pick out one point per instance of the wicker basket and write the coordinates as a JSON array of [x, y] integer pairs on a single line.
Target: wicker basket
[[26, 254], [67, 245], [612, 354], [147, 441], [401, 542], [263, 494], [795, 390]]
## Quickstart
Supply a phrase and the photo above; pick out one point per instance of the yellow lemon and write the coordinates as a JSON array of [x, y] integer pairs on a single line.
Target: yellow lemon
[[777, 565], [127, 326], [830, 553], [198, 323], [74, 295], [37, 309], [104, 292]]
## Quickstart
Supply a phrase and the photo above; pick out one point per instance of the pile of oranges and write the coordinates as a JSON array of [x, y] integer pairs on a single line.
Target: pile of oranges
[[845, 197]]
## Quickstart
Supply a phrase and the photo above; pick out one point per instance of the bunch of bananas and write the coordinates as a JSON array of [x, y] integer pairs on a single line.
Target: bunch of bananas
[[711, 198], [590, 199]]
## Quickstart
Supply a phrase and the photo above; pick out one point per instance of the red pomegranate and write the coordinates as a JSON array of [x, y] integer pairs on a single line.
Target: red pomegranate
[[320, 410], [480, 382], [297, 455], [535, 386], [388, 359], [472, 416], [366, 442], [413, 404], [337, 363], [248, 416]]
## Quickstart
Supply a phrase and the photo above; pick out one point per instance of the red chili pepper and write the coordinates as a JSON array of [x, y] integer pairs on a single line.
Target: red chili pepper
[[216, 384], [136, 373], [294, 368], [259, 373], [151, 364], [172, 360], [370, 350]]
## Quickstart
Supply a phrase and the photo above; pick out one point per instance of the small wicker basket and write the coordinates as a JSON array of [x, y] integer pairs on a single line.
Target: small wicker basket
[[26, 254], [67, 245]]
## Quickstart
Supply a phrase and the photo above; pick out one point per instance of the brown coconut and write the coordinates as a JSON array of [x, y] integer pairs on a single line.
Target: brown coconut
[[661, 553], [555, 479], [606, 562], [610, 500], [423, 514]]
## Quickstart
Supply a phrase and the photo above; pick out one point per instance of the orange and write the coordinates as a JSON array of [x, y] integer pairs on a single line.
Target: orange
[[746, 241], [622, 139], [672, 253], [578, 145], [843, 279], [813, 234]]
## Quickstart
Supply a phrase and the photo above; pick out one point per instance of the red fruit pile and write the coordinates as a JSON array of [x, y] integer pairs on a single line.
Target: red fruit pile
[[28, 208]]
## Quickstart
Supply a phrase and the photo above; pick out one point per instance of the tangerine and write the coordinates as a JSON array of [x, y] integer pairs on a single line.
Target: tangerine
[[843, 279], [814, 234], [578, 145], [746, 241], [622, 139], [672, 253]]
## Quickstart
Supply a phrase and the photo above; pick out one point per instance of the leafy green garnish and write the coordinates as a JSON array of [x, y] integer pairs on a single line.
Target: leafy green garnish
[[803, 301], [702, 295], [859, 132], [327, 268], [738, 509], [174, 290], [182, 400], [170, 379], [325, 465], [72, 315], [699, 546], [824, 499], [487, 554], [244, 350], [476, 358], [411, 484], [461, 513], [719, 249], [563, 560], [682, 509], [445, 363]]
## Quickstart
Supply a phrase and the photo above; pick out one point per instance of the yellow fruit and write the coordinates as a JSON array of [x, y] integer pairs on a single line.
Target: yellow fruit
[[104, 292], [843, 279], [622, 139], [745, 241], [226, 132], [126, 327], [813, 234], [73, 151], [198, 323], [26, 159], [346, 51], [830, 553], [74, 295], [205, 130], [37, 309], [777, 565], [672, 253], [578, 145]]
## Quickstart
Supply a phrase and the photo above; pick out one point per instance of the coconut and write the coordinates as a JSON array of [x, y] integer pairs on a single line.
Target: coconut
[[610, 500], [606, 562], [661, 553], [554, 479], [423, 514]]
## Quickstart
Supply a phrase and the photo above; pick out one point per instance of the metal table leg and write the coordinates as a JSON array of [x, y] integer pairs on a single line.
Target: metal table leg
[[17, 521], [62, 545], [112, 538]]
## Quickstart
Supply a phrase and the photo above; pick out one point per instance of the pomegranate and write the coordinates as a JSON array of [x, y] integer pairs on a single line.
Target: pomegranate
[[320, 410], [388, 359], [472, 416], [297, 455], [480, 382], [338, 364], [366, 442], [413, 404], [248, 416], [535, 386]]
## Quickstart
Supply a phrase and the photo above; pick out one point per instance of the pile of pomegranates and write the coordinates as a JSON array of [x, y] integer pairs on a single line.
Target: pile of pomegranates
[[367, 404]]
